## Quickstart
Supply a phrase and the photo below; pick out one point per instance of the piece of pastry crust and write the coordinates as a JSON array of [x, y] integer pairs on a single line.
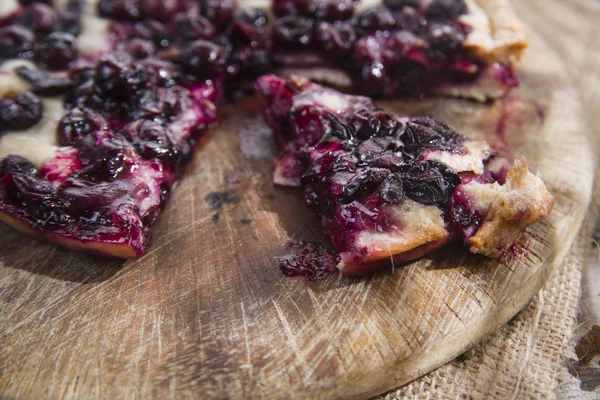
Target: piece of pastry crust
[[509, 208], [497, 34]]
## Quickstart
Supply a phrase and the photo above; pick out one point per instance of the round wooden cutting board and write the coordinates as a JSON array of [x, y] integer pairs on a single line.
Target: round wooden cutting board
[[207, 313]]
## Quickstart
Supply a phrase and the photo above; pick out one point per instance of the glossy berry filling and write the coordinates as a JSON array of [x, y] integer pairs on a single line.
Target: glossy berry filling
[[366, 171]]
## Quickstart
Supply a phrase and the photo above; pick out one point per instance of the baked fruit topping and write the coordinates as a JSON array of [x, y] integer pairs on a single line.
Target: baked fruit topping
[[391, 189]]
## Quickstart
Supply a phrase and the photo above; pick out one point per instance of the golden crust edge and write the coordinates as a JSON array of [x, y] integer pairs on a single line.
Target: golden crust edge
[[509, 41]]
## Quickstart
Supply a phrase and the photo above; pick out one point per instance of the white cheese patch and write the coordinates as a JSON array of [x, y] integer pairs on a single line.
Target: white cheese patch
[[477, 152], [364, 4], [333, 101], [7, 7], [255, 4], [38, 143]]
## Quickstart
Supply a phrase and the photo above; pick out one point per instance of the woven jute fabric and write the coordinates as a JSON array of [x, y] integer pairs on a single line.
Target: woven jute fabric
[[525, 359]]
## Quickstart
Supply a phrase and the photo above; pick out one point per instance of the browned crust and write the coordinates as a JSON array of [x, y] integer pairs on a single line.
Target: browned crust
[[505, 41], [118, 250], [520, 202]]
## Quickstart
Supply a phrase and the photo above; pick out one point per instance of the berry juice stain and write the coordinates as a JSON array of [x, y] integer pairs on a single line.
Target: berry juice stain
[[308, 260]]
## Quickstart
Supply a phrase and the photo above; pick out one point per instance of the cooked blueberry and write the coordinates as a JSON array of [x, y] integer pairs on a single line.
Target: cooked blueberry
[[37, 17], [392, 189], [445, 9], [106, 159], [43, 83], [118, 83], [336, 128], [16, 41], [120, 9], [29, 2], [363, 183], [330, 10], [430, 182], [188, 28], [248, 26], [409, 20], [202, 59], [78, 123], [219, 12], [56, 51], [375, 19], [335, 39], [444, 40], [152, 30], [161, 10], [399, 4], [424, 133], [160, 108], [31, 190], [293, 31], [368, 123], [20, 112], [68, 21], [17, 164], [138, 48], [151, 140], [381, 152]]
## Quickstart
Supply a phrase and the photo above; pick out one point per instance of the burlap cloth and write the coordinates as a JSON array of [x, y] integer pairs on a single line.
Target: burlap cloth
[[530, 356]]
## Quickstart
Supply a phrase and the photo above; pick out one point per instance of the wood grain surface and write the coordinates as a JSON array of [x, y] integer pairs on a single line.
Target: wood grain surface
[[206, 313]]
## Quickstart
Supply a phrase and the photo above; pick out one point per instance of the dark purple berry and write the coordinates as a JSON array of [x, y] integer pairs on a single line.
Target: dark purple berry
[[20, 112], [31, 191], [376, 19], [202, 59], [363, 183], [188, 28], [152, 30], [118, 83], [161, 10], [38, 17], [138, 48], [57, 51], [104, 160], [430, 182], [400, 4], [445, 41], [248, 26], [68, 21], [78, 123], [409, 20], [44, 84], [392, 189], [336, 39], [367, 123], [329, 10], [128, 10], [258, 63], [293, 32], [151, 140], [219, 12], [16, 41], [425, 133], [29, 2], [16, 164], [445, 9]]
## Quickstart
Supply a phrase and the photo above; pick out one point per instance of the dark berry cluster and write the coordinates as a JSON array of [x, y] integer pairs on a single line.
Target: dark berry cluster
[[43, 34], [400, 47]]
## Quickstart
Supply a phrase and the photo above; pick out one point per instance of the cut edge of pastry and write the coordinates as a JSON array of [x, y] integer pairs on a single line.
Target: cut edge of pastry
[[498, 34], [510, 208], [105, 249]]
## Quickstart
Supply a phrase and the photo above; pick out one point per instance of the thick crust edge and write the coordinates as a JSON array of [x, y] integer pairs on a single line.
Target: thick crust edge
[[498, 34]]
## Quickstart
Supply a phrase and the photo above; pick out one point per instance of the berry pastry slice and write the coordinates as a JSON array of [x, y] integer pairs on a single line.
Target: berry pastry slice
[[392, 189], [464, 48]]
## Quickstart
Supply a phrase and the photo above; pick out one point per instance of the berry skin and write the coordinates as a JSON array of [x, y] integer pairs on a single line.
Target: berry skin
[[56, 52], [202, 60], [38, 17], [335, 39], [189, 28], [78, 123], [20, 112], [293, 32], [16, 41]]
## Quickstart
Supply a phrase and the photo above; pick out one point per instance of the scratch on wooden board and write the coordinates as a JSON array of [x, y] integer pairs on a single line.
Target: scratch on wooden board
[[246, 340]]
